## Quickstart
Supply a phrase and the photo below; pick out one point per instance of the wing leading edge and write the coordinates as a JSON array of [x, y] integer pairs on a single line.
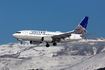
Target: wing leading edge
[[62, 36]]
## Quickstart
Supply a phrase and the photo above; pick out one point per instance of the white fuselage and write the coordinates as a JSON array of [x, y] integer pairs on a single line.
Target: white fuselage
[[34, 35]]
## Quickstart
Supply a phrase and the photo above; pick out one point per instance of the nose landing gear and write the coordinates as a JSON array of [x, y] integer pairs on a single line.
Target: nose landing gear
[[20, 40]]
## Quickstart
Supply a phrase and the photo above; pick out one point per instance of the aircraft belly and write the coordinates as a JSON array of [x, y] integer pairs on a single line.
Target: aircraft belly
[[34, 38], [31, 38]]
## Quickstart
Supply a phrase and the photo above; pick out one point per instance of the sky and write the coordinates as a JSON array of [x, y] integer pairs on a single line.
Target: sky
[[50, 15]]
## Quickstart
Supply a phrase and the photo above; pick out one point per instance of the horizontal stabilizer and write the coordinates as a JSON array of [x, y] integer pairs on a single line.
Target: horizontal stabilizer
[[88, 34]]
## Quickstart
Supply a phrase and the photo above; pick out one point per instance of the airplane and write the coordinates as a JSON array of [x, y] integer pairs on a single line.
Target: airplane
[[37, 37]]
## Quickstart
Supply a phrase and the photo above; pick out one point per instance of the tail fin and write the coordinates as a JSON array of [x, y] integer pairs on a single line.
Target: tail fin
[[81, 28]]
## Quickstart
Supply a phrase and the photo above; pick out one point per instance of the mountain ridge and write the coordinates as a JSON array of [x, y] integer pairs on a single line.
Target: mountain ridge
[[85, 54]]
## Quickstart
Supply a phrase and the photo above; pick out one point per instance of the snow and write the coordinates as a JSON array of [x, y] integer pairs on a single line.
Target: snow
[[91, 63], [82, 55]]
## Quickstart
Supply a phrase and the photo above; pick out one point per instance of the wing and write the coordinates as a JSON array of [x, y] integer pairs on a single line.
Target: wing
[[62, 36]]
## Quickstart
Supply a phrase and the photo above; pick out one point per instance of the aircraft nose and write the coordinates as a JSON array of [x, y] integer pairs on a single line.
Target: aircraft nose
[[14, 35]]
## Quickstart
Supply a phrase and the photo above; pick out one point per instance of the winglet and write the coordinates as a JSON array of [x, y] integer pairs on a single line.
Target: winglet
[[81, 28]]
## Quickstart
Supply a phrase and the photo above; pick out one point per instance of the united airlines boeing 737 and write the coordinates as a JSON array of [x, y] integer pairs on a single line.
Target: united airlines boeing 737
[[37, 37]]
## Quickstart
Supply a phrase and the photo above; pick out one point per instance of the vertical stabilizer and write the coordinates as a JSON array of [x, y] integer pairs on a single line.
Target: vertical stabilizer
[[81, 28]]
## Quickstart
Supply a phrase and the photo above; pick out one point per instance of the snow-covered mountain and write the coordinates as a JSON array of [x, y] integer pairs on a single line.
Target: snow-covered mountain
[[87, 54]]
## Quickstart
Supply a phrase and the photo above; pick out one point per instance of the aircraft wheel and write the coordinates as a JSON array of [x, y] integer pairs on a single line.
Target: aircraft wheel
[[21, 42], [54, 44], [47, 45]]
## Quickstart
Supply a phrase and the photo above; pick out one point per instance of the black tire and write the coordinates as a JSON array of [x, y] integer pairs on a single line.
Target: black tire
[[21, 42], [47, 45], [54, 44]]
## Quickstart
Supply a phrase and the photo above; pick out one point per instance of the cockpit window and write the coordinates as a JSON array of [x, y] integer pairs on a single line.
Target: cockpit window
[[18, 32]]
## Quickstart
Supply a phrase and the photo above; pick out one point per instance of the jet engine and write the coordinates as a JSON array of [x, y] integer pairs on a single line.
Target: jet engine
[[35, 42], [47, 39]]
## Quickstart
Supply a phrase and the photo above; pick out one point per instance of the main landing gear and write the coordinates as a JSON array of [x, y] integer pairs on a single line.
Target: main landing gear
[[47, 45], [54, 44]]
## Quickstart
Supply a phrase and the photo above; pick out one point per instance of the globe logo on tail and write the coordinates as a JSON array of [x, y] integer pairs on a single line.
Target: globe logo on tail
[[80, 30]]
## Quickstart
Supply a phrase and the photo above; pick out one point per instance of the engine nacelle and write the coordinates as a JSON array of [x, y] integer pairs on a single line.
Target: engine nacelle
[[35, 42], [47, 39]]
